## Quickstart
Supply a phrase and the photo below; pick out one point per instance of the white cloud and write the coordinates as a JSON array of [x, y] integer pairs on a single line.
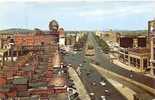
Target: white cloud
[[120, 9]]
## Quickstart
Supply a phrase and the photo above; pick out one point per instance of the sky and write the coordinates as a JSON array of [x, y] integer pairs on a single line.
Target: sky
[[77, 14]]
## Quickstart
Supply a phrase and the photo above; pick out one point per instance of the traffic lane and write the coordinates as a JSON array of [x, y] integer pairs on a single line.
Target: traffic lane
[[100, 89], [103, 59], [74, 59]]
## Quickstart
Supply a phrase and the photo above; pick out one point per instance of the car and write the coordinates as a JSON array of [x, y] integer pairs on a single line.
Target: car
[[97, 63], [93, 83], [75, 52], [107, 92], [92, 94], [74, 96], [75, 49], [103, 98], [66, 54], [27, 64], [103, 83], [80, 65], [71, 90], [69, 64]]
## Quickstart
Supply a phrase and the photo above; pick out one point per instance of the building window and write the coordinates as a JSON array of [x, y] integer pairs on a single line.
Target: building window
[[145, 63], [138, 62], [153, 53]]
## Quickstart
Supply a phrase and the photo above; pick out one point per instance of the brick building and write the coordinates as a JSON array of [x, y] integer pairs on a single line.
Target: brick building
[[134, 51]]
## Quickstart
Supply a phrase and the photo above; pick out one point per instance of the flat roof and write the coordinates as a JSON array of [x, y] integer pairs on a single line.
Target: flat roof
[[139, 50]]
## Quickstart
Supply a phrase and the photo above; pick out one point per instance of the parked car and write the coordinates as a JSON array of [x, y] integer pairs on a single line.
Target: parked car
[[103, 83], [92, 96], [107, 92], [103, 98]]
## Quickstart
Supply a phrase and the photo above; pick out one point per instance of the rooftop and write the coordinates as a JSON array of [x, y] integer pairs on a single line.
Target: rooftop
[[20, 80], [139, 50]]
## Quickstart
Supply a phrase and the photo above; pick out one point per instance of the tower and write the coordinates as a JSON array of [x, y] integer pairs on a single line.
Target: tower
[[53, 26]]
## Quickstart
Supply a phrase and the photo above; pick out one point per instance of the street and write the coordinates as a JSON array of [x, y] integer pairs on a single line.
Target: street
[[94, 76], [91, 78]]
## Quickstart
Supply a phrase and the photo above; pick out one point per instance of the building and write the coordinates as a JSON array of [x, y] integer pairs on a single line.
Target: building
[[132, 41], [139, 51], [61, 37], [70, 38], [151, 35], [134, 51]]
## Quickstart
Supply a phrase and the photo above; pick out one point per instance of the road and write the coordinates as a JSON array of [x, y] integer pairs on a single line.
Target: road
[[104, 61], [93, 77]]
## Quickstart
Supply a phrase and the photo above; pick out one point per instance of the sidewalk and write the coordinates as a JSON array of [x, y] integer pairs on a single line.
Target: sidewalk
[[83, 95], [117, 62]]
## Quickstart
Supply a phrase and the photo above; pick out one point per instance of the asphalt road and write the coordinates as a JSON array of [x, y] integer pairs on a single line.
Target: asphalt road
[[93, 77], [103, 60]]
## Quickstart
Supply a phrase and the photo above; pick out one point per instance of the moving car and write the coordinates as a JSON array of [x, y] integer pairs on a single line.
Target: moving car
[[103, 98], [103, 83]]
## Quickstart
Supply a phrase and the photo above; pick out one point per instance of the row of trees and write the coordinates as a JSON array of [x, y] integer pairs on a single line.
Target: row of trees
[[102, 44]]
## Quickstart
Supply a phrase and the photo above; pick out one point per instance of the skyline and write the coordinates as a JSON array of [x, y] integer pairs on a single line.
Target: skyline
[[77, 15]]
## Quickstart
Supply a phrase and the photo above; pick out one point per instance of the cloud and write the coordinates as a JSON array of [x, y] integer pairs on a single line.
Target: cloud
[[73, 13], [119, 9]]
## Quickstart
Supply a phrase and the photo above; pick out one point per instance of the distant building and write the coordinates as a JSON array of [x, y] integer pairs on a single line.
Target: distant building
[[70, 38], [61, 37]]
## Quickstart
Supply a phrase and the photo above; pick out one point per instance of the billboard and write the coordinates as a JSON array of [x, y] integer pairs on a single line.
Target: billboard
[[151, 28]]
